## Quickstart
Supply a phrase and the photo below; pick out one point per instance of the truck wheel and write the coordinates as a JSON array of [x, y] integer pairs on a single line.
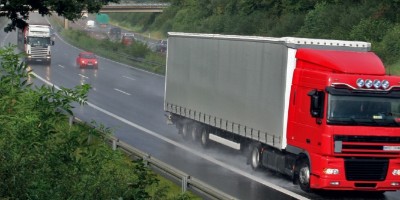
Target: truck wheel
[[185, 131], [179, 127], [205, 141], [304, 175], [255, 156], [195, 132]]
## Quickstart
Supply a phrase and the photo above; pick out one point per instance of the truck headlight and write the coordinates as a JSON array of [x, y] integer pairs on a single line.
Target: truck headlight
[[377, 84], [396, 172], [385, 84], [360, 82], [368, 83], [331, 171]]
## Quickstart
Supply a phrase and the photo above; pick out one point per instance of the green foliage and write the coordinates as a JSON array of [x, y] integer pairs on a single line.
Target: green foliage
[[43, 157], [366, 30], [389, 48]]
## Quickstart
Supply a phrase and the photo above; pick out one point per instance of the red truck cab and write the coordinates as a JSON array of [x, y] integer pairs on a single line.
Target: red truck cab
[[348, 127]]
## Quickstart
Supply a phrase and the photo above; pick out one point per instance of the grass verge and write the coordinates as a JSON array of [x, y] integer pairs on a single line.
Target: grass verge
[[158, 35]]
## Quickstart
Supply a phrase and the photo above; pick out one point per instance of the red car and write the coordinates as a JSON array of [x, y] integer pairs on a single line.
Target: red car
[[86, 59]]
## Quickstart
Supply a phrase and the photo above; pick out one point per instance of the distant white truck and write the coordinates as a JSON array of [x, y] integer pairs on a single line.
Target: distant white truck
[[36, 41], [90, 24]]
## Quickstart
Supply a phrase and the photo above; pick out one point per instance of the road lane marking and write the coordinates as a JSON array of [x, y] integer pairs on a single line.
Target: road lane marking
[[122, 91], [206, 157], [129, 78], [61, 66], [83, 76]]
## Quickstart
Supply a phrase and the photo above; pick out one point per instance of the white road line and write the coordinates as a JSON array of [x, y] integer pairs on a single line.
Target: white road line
[[122, 91], [129, 78], [61, 66], [206, 157], [83, 76]]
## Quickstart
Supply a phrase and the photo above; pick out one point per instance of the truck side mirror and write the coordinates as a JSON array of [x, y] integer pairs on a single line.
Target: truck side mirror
[[317, 103], [52, 42]]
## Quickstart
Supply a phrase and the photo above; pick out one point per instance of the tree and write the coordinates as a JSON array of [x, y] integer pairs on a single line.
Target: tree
[[43, 157], [18, 10]]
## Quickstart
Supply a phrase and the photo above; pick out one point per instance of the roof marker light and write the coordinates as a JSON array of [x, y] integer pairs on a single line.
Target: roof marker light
[[385, 84], [377, 84], [368, 83], [360, 82]]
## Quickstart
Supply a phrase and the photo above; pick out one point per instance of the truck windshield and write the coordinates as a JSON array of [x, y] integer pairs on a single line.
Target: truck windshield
[[39, 41], [363, 110]]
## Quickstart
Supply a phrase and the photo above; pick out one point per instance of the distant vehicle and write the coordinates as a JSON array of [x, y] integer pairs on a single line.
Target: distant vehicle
[[161, 46], [35, 40], [102, 20], [128, 39], [114, 34], [90, 24], [86, 59], [85, 15]]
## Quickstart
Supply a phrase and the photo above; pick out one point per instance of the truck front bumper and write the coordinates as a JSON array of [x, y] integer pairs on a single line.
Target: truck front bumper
[[30, 58], [321, 180]]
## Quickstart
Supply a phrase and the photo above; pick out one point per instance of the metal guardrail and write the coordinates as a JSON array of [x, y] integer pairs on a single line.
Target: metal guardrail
[[187, 181]]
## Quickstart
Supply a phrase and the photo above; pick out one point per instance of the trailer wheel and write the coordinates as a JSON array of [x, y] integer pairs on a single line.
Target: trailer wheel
[[304, 175], [255, 156], [195, 132], [185, 131], [179, 127], [204, 138]]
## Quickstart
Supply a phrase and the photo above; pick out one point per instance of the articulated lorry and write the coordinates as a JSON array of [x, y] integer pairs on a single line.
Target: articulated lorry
[[36, 41], [323, 112]]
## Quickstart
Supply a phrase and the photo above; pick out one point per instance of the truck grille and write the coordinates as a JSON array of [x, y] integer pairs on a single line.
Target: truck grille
[[367, 145], [38, 52], [362, 169]]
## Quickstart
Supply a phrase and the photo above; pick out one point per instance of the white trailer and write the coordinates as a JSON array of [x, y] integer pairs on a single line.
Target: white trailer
[[238, 84]]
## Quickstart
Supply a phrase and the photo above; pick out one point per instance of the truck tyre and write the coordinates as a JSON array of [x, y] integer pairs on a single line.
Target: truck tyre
[[255, 156], [204, 140], [304, 175], [195, 132], [185, 131], [179, 126]]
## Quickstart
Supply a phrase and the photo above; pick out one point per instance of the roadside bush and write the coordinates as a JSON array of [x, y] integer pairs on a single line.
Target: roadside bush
[[389, 48], [366, 30], [44, 158]]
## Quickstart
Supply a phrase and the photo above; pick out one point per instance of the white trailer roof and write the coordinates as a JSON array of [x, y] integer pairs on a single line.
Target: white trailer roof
[[287, 40]]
